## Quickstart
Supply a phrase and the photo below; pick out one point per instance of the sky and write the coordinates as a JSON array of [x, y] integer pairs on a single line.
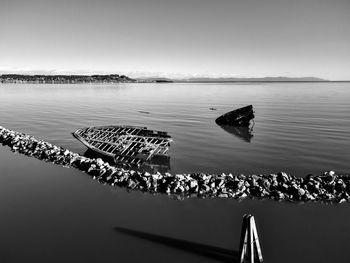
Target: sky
[[174, 38]]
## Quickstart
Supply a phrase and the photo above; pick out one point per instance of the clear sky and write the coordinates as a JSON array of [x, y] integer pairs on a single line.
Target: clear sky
[[241, 38]]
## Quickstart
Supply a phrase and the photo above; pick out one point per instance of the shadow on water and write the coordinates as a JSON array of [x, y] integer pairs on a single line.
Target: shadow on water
[[217, 253], [243, 133], [155, 164]]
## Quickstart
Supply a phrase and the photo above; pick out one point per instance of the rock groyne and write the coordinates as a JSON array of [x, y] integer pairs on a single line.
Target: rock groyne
[[329, 187]]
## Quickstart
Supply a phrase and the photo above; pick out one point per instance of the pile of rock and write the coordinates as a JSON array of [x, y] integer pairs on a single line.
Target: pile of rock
[[327, 187]]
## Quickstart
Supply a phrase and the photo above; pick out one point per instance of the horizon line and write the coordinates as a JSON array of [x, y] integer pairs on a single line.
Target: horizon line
[[193, 79], [150, 75]]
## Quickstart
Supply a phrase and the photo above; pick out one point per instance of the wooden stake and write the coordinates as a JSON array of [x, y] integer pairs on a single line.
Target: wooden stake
[[256, 240], [244, 237], [249, 241]]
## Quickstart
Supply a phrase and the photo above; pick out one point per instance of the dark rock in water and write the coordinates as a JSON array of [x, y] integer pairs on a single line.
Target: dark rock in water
[[240, 117], [282, 177], [329, 176]]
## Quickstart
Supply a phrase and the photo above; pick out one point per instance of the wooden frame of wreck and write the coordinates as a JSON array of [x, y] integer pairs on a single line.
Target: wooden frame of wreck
[[125, 144]]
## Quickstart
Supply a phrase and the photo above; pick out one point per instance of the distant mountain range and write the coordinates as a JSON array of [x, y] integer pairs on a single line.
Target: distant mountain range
[[266, 79], [209, 79]]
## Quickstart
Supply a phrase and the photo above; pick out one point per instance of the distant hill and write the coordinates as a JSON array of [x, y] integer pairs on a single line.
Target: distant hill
[[266, 79], [19, 78]]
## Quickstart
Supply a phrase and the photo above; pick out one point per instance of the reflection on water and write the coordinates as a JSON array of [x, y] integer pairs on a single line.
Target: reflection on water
[[243, 133], [153, 165]]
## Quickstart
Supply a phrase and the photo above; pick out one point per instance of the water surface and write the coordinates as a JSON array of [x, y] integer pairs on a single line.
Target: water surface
[[300, 128], [54, 214]]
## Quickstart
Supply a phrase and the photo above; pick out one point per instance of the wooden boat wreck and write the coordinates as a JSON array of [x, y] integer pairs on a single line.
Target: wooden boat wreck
[[240, 117], [128, 145]]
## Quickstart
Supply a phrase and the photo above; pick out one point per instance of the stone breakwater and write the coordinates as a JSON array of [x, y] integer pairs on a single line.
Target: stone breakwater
[[328, 187]]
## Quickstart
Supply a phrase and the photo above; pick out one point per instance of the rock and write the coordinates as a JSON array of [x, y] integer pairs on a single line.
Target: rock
[[242, 195], [256, 191], [278, 195], [340, 185], [180, 177], [131, 184], [328, 176], [219, 182], [99, 162], [193, 186], [230, 176], [282, 177], [241, 177], [342, 200], [204, 188], [331, 173], [156, 178], [301, 192]]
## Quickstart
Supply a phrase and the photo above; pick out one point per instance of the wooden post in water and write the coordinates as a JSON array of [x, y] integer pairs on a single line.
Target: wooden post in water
[[249, 244]]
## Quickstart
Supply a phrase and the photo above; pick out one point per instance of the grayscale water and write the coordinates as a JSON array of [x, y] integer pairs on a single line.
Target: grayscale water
[[54, 214]]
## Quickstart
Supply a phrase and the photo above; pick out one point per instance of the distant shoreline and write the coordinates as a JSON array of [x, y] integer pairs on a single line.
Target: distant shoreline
[[116, 78], [168, 82], [63, 79]]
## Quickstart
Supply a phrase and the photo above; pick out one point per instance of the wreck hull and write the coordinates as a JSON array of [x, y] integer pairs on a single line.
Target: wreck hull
[[125, 144], [240, 117]]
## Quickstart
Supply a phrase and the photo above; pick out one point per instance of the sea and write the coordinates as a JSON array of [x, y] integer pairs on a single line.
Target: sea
[[51, 213]]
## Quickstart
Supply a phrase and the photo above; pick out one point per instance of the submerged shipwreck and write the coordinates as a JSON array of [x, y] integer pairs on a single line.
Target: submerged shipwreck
[[238, 122], [126, 145], [240, 117]]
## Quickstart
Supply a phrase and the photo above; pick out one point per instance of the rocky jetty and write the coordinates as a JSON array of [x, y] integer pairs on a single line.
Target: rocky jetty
[[329, 187]]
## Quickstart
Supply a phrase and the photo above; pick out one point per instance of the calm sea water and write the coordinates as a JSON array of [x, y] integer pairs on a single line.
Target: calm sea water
[[54, 214]]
